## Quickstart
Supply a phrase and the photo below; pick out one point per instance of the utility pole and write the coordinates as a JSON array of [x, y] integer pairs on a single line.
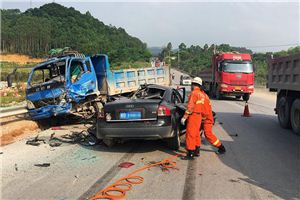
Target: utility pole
[[30, 3], [178, 57]]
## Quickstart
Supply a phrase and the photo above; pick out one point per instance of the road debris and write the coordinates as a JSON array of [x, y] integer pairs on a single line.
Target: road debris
[[89, 158], [35, 141], [16, 167], [55, 144], [234, 135], [55, 128], [42, 165], [1, 152], [126, 165], [234, 181]]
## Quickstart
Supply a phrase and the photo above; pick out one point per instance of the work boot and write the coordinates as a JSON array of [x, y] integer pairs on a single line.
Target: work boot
[[189, 156], [197, 152], [221, 149]]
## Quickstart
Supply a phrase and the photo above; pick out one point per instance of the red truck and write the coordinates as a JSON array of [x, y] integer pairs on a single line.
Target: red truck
[[231, 74]]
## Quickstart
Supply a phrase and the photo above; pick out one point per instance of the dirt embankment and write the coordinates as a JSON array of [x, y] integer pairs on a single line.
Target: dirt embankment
[[17, 58], [14, 128]]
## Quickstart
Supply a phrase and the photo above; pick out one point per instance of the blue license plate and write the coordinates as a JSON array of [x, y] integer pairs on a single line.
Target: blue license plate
[[130, 115]]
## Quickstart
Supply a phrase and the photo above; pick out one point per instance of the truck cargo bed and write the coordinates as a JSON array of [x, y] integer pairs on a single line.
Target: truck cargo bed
[[284, 73]]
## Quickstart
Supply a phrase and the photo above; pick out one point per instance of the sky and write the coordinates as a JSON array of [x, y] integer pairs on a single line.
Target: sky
[[260, 26]]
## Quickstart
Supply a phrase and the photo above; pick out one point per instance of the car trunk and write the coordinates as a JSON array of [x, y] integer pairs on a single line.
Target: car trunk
[[131, 110]]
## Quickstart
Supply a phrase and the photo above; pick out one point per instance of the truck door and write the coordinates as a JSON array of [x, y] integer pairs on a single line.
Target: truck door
[[101, 66], [81, 79]]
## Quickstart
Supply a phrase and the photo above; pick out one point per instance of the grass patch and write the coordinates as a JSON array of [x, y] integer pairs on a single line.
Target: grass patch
[[21, 74], [12, 97]]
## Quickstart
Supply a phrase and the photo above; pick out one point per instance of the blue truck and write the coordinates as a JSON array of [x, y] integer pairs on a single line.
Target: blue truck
[[79, 85]]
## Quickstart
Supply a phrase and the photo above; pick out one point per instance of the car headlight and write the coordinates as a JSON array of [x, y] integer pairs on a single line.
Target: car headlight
[[30, 105], [250, 87]]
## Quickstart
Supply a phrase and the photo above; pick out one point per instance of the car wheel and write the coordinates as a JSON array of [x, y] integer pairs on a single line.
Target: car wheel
[[174, 142], [109, 142]]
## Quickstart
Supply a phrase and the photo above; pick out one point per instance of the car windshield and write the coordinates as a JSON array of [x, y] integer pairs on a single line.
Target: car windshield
[[53, 72], [237, 67], [149, 93]]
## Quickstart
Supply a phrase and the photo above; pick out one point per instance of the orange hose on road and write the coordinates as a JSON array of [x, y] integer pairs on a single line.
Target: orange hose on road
[[118, 189]]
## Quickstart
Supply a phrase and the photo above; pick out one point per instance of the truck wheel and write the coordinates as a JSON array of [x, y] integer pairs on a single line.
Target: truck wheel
[[238, 97], [246, 97], [295, 116], [219, 96], [174, 142], [284, 109]]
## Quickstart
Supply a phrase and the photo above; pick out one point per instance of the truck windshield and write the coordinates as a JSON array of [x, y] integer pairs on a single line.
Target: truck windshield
[[54, 72], [237, 67]]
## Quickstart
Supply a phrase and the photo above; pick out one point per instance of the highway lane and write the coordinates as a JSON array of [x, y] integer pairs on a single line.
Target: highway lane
[[262, 162]]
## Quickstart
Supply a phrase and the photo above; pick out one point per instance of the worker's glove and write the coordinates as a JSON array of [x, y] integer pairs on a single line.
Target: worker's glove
[[183, 121]]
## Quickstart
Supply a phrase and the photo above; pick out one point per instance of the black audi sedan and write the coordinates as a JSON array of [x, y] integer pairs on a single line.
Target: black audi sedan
[[152, 112]]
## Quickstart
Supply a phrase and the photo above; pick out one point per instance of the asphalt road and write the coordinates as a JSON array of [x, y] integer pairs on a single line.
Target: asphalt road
[[262, 162]]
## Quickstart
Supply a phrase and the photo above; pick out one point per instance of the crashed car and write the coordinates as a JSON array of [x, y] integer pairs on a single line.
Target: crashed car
[[152, 112]]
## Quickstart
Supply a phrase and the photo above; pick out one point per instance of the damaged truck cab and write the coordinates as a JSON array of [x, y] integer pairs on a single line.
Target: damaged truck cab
[[60, 85], [79, 85]]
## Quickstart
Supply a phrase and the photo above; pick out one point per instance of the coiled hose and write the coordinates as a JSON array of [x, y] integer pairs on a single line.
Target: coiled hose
[[118, 189]]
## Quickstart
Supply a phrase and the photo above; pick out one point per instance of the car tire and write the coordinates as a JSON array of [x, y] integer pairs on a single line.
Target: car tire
[[246, 97], [109, 142], [174, 142], [284, 110], [295, 116]]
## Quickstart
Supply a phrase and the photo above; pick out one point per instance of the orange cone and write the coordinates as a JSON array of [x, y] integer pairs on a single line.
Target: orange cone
[[246, 111]]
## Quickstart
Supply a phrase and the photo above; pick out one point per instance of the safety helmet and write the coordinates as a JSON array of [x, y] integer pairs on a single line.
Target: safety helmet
[[197, 80]]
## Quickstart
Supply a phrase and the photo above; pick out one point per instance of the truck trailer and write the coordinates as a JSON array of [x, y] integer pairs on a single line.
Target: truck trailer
[[77, 84], [284, 78], [231, 74]]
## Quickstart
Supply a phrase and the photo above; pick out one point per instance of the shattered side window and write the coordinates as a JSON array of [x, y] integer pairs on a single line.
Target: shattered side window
[[40, 76], [76, 70]]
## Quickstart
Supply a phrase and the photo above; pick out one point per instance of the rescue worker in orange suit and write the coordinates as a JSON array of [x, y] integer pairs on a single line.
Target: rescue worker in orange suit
[[198, 107], [208, 122], [193, 115]]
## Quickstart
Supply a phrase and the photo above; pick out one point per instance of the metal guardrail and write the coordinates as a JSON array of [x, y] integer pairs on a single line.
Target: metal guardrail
[[8, 112]]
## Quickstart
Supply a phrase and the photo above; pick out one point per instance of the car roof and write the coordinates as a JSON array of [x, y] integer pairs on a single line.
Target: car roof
[[162, 87]]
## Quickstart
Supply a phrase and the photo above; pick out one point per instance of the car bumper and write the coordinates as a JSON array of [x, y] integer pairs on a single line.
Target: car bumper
[[49, 111], [134, 130], [237, 90]]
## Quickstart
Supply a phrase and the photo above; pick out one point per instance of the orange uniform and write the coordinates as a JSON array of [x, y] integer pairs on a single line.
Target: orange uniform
[[193, 114], [208, 122]]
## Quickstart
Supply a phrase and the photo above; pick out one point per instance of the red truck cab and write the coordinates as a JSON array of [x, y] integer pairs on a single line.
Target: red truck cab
[[232, 75]]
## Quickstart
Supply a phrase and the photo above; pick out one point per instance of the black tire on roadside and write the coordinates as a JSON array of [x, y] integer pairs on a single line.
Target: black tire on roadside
[[295, 116], [246, 97], [284, 110], [174, 142]]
